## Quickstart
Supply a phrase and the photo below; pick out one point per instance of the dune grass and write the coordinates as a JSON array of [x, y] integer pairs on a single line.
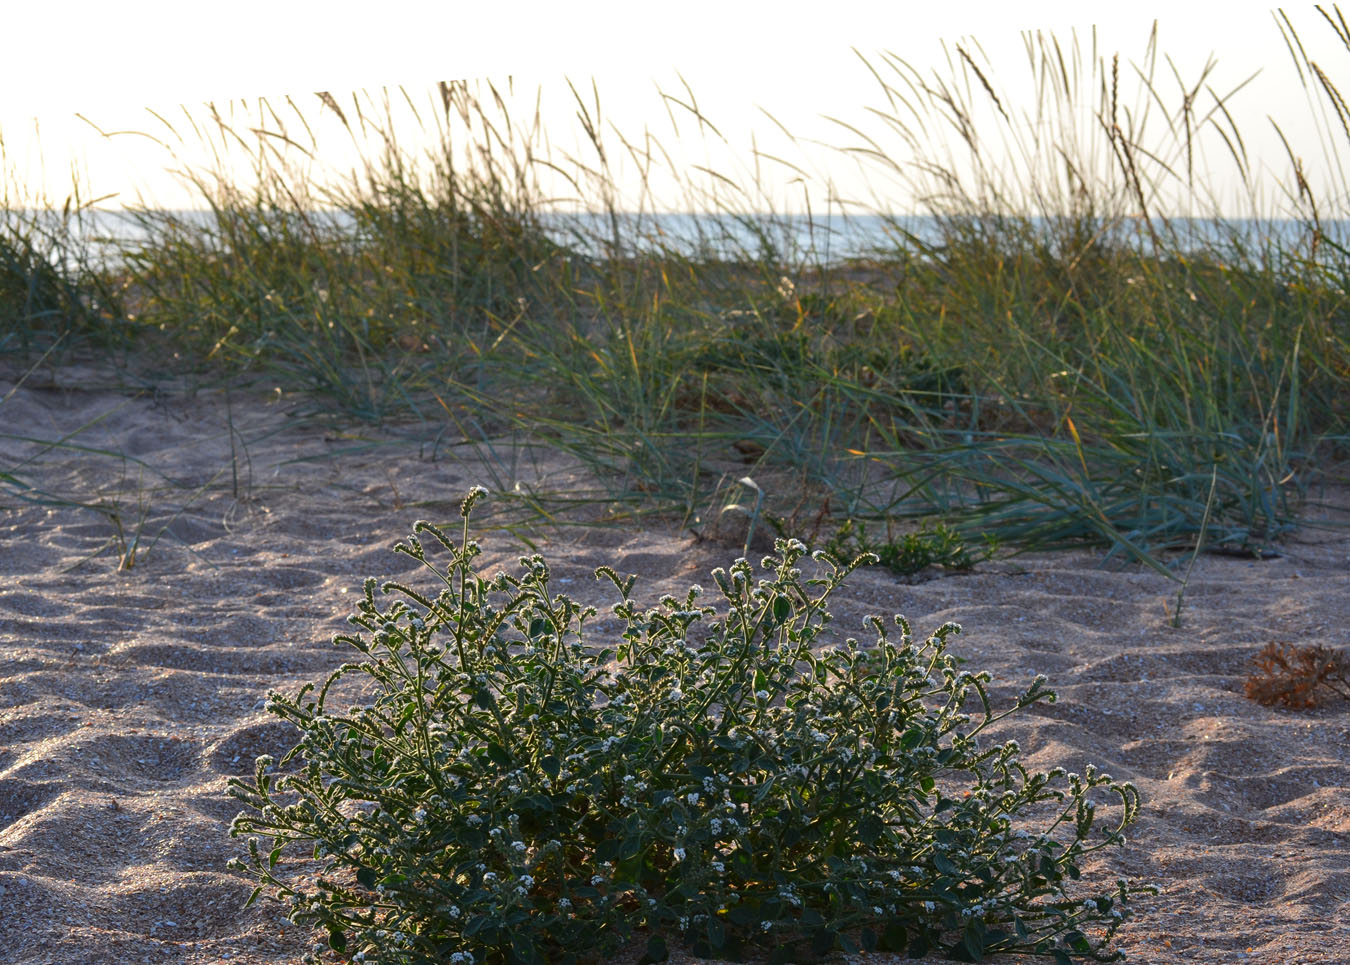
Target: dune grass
[[1049, 361]]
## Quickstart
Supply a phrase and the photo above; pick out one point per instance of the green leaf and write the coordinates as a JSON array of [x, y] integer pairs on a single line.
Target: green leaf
[[656, 951], [894, 938], [782, 609], [745, 915], [336, 940], [822, 941], [523, 950], [972, 939], [717, 933], [483, 698], [945, 865], [551, 766], [406, 716], [272, 858], [499, 754], [871, 827], [365, 877], [927, 783]]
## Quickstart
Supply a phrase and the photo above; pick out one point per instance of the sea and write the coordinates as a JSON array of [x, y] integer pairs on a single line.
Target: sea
[[105, 236]]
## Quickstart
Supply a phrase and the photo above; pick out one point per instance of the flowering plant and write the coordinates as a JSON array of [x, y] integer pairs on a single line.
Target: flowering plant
[[720, 777]]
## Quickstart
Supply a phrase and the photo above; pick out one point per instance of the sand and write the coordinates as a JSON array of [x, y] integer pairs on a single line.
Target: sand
[[128, 698]]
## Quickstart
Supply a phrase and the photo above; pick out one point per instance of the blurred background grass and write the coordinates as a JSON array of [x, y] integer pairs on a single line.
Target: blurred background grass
[[1047, 356]]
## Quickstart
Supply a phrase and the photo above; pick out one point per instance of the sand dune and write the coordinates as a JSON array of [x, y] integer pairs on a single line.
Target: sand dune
[[127, 698]]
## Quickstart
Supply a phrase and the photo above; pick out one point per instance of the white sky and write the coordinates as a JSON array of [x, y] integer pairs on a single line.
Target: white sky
[[109, 61]]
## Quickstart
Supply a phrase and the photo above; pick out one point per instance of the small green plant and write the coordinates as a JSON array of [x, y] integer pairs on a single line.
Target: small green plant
[[722, 778], [910, 553]]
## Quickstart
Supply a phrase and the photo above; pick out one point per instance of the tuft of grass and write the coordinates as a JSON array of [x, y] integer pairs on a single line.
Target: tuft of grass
[[909, 553], [1041, 351]]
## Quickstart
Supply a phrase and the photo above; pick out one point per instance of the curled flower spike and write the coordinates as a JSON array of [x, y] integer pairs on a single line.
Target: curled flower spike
[[467, 503]]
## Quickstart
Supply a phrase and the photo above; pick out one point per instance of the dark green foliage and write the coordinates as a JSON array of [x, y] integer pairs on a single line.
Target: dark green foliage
[[522, 788]]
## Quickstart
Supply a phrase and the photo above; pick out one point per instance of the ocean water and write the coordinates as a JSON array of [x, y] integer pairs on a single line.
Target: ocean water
[[792, 239]]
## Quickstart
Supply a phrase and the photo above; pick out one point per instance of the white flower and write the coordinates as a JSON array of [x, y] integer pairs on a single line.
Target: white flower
[[692, 798], [679, 854]]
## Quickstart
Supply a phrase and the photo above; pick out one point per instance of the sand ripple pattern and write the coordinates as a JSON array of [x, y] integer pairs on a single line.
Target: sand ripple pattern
[[128, 698]]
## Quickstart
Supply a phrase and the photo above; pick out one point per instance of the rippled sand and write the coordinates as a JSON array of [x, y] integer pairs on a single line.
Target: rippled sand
[[128, 698]]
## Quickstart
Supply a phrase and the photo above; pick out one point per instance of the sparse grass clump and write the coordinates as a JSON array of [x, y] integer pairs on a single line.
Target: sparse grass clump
[[909, 553], [523, 786]]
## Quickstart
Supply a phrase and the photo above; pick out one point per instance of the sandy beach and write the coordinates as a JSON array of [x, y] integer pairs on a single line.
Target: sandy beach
[[129, 697]]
